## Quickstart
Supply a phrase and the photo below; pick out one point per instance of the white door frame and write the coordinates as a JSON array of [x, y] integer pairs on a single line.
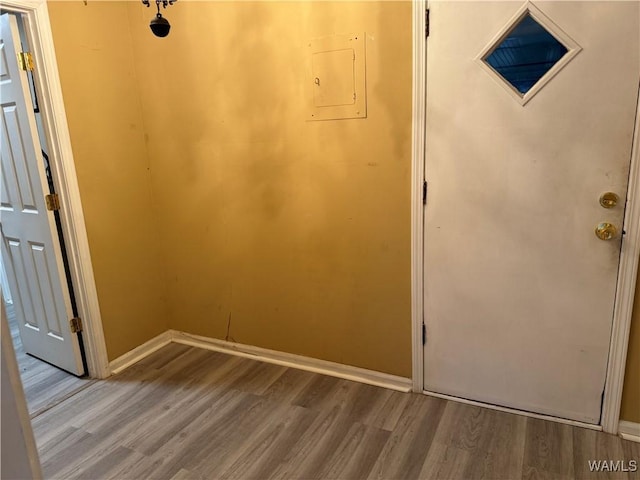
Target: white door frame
[[629, 257], [418, 125], [38, 28]]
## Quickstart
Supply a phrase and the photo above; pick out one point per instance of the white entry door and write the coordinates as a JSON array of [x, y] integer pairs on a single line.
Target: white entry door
[[30, 248], [530, 118]]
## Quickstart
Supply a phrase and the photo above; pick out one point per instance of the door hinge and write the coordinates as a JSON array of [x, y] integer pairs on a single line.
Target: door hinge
[[424, 193], [426, 23], [25, 61], [53, 201], [75, 324], [424, 334]]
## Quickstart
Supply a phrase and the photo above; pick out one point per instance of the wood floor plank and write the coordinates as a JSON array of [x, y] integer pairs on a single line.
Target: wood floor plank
[[631, 451], [56, 454], [406, 450], [388, 413], [187, 400], [158, 395], [289, 385], [262, 453], [186, 475], [209, 411], [44, 385], [175, 449], [444, 461], [499, 454], [56, 443], [84, 405], [362, 403], [119, 391], [319, 443], [548, 451], [462, 424], [62, 459], [598, 447], [258, 378], [357, 454], [170, 352], [263, 417], [216, 434], [317, 392], [140, 466], [193, 363], [188, 413], [490, 442], [166, 416], [104, 466], [153, 430]]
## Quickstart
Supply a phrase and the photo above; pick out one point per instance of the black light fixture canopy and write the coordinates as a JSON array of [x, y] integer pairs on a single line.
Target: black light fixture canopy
[[160, 26]]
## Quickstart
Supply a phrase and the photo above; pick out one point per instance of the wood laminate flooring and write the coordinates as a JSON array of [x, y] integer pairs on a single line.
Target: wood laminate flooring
[[188, 413], [44, 385]]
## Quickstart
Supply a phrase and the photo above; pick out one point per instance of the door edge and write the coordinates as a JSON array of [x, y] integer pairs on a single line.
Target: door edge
[[38, 28], [625, 291]]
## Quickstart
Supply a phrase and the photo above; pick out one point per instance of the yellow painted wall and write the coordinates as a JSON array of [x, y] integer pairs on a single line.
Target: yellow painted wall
[[630, 410], [297, 231], [97, 72]]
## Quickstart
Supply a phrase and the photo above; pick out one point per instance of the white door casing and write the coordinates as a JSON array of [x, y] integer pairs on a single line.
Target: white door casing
[[30, 246], [518, 291]]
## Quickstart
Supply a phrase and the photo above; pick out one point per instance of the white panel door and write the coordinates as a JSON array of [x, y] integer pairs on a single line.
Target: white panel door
[[519, 291], [30, 247]]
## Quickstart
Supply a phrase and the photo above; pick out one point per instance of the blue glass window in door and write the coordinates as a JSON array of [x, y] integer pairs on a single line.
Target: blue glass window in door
[[525, 54]]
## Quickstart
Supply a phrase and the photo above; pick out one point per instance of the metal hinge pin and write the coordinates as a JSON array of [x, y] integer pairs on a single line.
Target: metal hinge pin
[[52, 201], [25, 61], [75, 324]]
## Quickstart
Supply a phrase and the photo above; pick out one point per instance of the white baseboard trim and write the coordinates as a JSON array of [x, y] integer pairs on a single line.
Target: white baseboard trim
[[524, 413], [140, 352], [629, 430], [323, 367]]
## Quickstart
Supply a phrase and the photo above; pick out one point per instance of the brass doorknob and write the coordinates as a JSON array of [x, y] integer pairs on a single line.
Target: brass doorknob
[[609, 200], [606, 231]]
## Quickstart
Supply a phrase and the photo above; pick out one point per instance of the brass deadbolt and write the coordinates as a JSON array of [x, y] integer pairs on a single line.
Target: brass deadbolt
[[606, 231], [609, 199]]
